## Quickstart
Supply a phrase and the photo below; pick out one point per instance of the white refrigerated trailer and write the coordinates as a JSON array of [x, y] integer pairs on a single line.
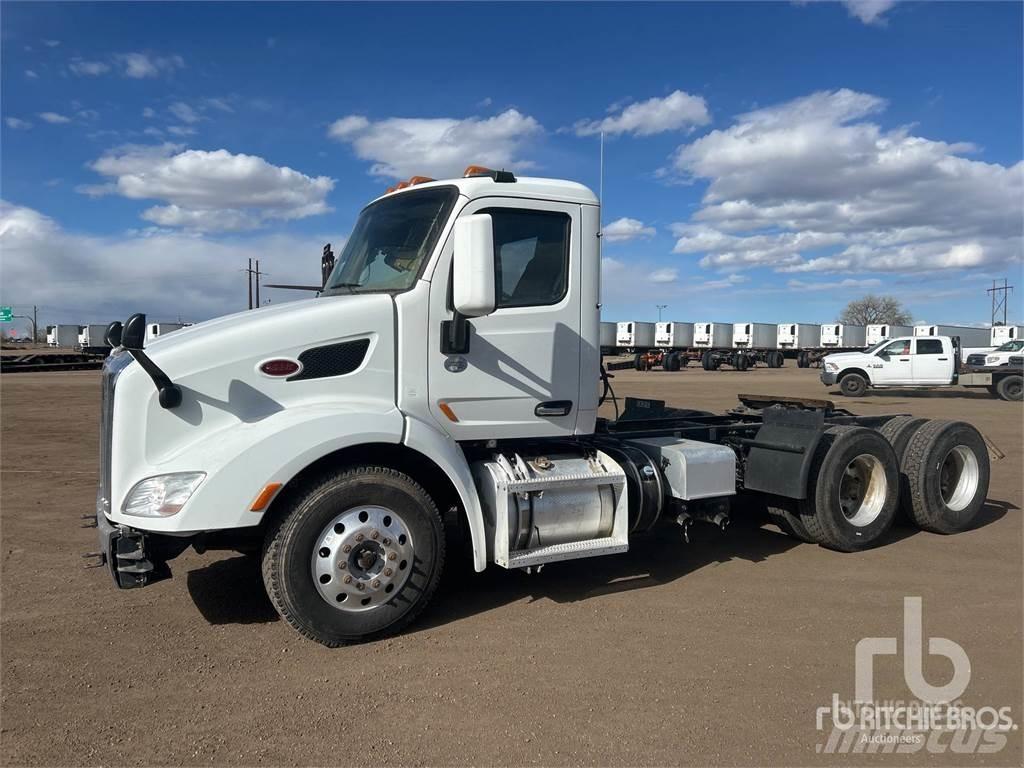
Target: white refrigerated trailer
[[673, 334], [793, 339], [155, 330], [833, 338], [634, 336], [92, 339], [1004, 333], [62, 336], [881, 332], [758, 342]]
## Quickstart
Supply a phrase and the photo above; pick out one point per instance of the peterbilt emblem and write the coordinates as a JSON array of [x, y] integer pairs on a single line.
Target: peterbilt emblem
[[455, 364]]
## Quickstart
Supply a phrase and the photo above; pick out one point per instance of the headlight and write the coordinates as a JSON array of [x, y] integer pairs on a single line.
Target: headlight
[[991, 359], [831, 367], [163, 495]]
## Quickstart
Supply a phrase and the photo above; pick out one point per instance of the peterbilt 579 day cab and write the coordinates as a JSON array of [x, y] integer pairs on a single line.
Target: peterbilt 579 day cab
[[445, 385], [915, 361]]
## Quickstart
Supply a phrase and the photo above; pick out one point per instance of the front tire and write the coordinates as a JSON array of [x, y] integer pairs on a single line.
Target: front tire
[[853, 385], [1010, 388], [354, 555]]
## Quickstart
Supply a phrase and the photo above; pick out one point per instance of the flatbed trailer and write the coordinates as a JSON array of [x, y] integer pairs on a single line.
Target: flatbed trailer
[[43, 363]]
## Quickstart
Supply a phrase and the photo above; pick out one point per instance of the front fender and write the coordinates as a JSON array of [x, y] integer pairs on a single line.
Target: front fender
[[241, 459], [446, 453]]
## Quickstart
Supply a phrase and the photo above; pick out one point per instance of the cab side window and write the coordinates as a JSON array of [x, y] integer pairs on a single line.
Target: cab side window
[[929, 346], [531, 257], [896, 348]]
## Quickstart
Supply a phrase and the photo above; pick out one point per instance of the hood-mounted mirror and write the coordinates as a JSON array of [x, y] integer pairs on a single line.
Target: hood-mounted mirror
[[133, 337]]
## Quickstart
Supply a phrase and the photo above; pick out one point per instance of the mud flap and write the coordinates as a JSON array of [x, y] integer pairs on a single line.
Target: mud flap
[[779, 456]]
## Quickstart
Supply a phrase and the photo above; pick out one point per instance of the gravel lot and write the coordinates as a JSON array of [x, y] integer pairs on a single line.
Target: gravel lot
[[719, 652]]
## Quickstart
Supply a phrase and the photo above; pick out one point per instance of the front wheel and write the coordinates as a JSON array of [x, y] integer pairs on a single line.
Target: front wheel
[[354, 555], [853, 385]]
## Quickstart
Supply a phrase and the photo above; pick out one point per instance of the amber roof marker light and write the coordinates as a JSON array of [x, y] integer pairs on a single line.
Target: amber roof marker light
[[478, 171]]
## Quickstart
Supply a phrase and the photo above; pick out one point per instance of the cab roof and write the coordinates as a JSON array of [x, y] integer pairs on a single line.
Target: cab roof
[[504, 184]]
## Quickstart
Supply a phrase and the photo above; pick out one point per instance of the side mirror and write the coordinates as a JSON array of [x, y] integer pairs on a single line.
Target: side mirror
[[133, 335], [473, 285], [113, 334]]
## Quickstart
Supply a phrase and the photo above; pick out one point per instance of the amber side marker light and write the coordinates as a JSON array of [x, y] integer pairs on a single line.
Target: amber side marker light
[[265, 496], [447, 411]]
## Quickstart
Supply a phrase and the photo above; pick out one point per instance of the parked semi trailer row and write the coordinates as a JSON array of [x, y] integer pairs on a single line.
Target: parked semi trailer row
[[675, 344]]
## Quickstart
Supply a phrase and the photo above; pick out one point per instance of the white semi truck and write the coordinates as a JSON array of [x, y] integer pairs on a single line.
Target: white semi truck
[[445, 383], [1001, 334]]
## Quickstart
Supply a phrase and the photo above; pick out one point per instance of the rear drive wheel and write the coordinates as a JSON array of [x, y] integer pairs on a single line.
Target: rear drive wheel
[[898, 432], [740, 361], [1009, 388], [705, 360], [780, 359], [671, 362], [853, 385], [801, 360], [785, 513], [853, 489], [637, 361], [947, 469], [354, 555]]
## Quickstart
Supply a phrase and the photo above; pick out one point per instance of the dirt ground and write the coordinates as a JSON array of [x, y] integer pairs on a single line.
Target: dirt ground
[[717, 652]]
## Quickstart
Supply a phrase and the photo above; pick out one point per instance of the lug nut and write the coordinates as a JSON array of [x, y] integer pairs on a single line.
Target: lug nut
[[376, 583], [392, 556], [375, 535], [360, 586], [387, 571], [347, 548], [348, 579], [343, 565], [385, 542], [359, 537]]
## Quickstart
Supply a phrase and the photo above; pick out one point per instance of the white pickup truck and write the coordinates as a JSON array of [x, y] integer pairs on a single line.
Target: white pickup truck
[[916, 361], [1002, 355]]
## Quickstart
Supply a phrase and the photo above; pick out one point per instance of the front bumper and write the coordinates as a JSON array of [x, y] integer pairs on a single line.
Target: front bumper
[[135, 558], [828, 379]]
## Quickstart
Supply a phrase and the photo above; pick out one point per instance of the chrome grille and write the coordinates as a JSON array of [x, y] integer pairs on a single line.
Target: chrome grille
[[112, 368]]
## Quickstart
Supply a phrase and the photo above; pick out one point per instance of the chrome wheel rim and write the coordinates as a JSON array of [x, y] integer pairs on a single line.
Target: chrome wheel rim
[[959, 476], [862, 490], [362, 558]]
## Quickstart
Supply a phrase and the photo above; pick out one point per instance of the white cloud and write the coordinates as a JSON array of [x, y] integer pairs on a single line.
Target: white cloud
[[149, 112], [88, 68], [624, 229], [869, 11], [53, 118], [184, 112], [17, 123], [219, 104], [676, 111], [209, 191], [51, 43], [815, 185], [181, 130], [81, 278], [142, 65], [730, 281], [88, 114], [665, 275], [849, 284], [31, 74], [400, 147]]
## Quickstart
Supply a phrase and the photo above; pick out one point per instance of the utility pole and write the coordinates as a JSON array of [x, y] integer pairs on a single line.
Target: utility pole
[[660, 307], [257, 283], [248, 274], [999, 295]]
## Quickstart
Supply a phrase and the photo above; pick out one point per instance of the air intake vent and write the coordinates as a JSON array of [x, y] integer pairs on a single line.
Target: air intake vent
[[331, 360]]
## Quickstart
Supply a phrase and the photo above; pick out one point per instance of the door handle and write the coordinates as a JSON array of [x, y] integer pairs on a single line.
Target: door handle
[[943, 359], [553, 408], [904, 359]]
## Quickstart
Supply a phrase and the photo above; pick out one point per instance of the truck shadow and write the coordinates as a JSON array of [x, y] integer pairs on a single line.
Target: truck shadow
[[230, 590]]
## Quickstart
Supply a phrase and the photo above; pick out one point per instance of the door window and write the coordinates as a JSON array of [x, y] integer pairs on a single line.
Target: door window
[[531, 257], [901, 347], [929, 346]]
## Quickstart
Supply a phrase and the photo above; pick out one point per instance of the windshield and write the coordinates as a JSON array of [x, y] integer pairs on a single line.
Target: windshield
[[875, 347], [1011, 346], [391, 240]]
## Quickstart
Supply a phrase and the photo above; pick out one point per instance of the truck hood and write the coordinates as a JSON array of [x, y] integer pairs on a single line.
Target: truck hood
[[845, 358]]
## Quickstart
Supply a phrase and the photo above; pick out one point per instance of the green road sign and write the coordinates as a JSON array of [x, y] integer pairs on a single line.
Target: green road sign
[[6, 314]]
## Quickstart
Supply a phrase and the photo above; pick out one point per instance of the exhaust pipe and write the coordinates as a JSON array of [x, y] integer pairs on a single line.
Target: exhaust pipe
[[721, 520], [684, 521]]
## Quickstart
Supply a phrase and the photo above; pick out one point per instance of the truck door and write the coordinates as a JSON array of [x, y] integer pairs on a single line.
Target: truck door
[[521, 375], [932, 363], [892, 364]]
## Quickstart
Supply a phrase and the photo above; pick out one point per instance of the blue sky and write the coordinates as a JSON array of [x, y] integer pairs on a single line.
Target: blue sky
[[765, 161]]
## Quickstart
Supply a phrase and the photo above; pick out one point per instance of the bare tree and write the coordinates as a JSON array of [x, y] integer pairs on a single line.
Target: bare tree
[[873, 309]]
